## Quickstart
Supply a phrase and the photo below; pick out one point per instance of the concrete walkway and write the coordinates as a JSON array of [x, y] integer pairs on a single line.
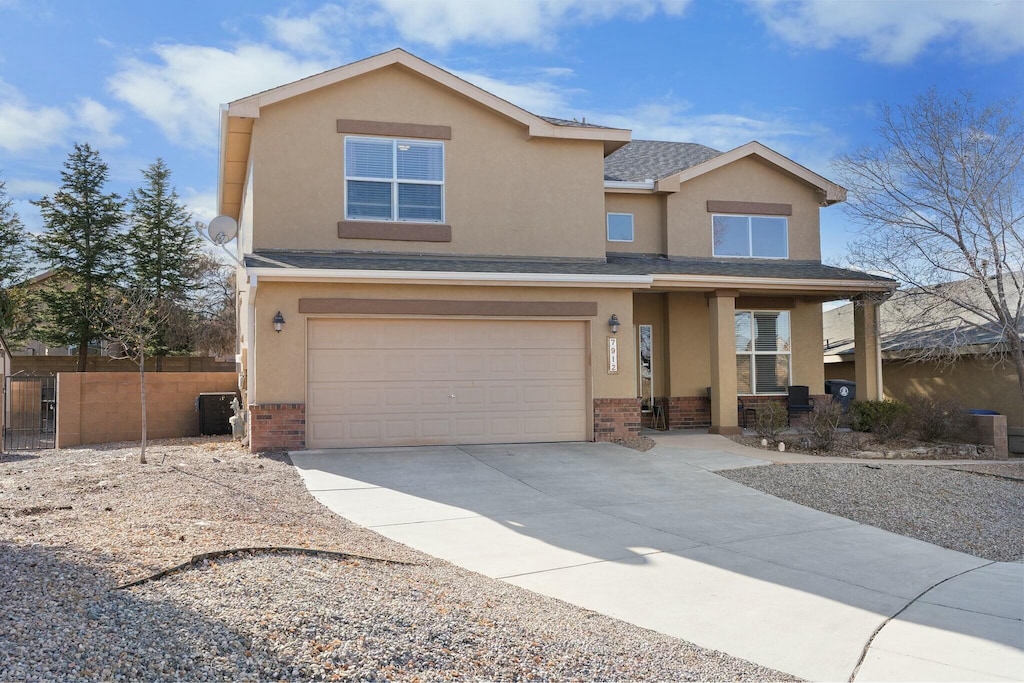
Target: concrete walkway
[[659, 540]]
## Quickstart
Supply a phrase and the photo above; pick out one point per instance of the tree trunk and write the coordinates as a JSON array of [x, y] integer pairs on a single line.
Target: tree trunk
[[142, 392], [83, 356]]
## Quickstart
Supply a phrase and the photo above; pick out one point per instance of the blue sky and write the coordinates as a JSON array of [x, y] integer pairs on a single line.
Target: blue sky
[[140, 80]]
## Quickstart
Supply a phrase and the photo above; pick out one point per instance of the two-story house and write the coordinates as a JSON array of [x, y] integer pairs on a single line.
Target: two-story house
[[426, 263]]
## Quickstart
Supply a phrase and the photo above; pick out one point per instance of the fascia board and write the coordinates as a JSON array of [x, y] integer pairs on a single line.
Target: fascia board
[[809, 285], [833, 192], [447, 277], [250, 106]]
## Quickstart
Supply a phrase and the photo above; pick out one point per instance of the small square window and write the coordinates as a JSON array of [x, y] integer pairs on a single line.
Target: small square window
[[620, 227]]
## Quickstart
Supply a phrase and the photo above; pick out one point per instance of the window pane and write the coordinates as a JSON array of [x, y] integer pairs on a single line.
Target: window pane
[[769, 237], [772, 331], [367, 199], [420, 161], [419, 202], [730, 235], [743, 332], [368, 158], [743, 385], [620, 227], [772, 373]]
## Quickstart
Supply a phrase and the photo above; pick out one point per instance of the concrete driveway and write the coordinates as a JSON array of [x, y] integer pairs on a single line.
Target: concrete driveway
[[659, 540]]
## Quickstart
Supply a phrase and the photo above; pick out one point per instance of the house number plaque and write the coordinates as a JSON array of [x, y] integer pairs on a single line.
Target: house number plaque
[[613, 355]]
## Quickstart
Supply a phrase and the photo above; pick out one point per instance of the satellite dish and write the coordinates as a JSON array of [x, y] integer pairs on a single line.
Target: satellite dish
[[222, 229]]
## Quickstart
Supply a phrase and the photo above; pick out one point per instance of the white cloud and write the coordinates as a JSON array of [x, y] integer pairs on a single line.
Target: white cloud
[[99, 121], [182, 90], [27, 188], [442, 22], [203, 205], [26, 127], [320, 33], [536, 96], [897, 31]]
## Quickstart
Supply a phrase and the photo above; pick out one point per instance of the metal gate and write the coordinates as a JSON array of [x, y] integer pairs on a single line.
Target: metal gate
[[30, 413]]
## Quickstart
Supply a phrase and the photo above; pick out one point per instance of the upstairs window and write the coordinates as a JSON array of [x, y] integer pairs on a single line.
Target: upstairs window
[[394, 180], [763, 352], [750, 236], [620, 227]]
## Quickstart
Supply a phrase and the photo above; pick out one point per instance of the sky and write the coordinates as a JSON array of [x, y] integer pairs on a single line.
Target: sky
[[141, 80]]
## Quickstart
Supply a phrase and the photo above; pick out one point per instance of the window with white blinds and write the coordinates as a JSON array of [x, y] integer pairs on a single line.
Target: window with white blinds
[[764, 352], [394, 180]]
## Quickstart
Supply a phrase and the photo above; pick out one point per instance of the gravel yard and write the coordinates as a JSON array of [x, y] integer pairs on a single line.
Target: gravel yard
[[976, 509], [76, 524]]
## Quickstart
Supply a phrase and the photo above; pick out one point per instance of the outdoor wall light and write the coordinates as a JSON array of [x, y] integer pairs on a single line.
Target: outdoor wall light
[[613, 323], [278, 322]]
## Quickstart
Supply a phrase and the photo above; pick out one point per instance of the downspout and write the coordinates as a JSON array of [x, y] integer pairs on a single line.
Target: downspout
[[878, 351], [250, 340]]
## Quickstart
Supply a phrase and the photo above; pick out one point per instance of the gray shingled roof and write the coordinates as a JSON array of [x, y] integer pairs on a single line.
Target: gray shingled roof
[[614, 265], [642, 160], [572, 123]]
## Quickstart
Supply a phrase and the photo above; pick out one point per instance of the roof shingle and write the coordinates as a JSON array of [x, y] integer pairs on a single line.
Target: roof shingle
[[642, 160]]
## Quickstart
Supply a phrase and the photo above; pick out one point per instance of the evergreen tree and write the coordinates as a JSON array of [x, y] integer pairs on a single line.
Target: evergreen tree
[[162, 247], [15, 304], [83, 241]]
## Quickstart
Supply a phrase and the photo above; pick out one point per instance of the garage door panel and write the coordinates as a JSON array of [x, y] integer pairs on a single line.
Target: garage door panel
[[375, 382]]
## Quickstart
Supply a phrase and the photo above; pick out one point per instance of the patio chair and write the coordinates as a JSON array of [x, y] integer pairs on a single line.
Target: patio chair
[[800, 401]]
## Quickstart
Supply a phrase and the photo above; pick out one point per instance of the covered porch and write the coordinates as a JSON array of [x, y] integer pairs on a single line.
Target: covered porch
[[706, 352]]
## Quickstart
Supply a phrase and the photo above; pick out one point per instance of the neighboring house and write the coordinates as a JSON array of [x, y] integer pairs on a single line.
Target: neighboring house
[[36, 347], [918, 337], [446, 267]]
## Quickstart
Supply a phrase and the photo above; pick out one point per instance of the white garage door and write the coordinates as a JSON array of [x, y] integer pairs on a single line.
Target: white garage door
[[377, 382]]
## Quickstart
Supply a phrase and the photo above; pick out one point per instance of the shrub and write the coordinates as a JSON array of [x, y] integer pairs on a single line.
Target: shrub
[[823, 423], [938, 419], [771, 419], [885, 419]]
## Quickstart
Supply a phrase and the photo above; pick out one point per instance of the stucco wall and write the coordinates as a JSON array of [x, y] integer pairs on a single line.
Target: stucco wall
[[648, 222], [649, 309], [689, 345], [105, 407], [505, 194], [280, 364], [747, 180], [976, 382]]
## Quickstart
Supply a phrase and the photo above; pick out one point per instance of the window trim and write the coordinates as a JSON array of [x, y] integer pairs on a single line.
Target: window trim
[[750, 235], [753, 353], [608, 227], [394, 181]]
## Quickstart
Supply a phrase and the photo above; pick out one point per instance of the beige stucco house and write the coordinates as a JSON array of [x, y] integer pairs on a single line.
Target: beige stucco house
[[426, 263]]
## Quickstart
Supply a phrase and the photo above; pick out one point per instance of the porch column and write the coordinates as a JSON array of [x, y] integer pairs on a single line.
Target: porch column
[[722, 319], [867, 354]]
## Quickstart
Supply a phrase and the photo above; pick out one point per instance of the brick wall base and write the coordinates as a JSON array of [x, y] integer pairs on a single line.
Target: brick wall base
[[686, 412], [277, 427], [616, 418]]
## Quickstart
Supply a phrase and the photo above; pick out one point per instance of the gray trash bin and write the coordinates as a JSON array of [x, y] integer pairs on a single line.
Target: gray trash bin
[[843, 391]]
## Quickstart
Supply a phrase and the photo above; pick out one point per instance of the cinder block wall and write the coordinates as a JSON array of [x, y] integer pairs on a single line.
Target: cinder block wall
[[104, 407]]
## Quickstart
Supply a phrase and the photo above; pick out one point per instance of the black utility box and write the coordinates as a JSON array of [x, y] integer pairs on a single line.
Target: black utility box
[[214, 412], [843, 391]]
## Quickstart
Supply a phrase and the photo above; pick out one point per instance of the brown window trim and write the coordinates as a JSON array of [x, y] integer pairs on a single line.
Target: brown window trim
[[554, 309], [749, 208], [394, 130], [396, 232]]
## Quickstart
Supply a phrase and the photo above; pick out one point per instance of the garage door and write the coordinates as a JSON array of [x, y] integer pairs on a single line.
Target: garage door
[[374, 382]]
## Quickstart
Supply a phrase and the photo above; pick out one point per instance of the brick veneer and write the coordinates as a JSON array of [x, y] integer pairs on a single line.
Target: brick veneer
[[616, 418], [686, 412], [277, 426]]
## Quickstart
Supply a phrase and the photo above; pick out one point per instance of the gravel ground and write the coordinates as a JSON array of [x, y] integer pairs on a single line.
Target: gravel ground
[[75, 524], [976, 509]]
